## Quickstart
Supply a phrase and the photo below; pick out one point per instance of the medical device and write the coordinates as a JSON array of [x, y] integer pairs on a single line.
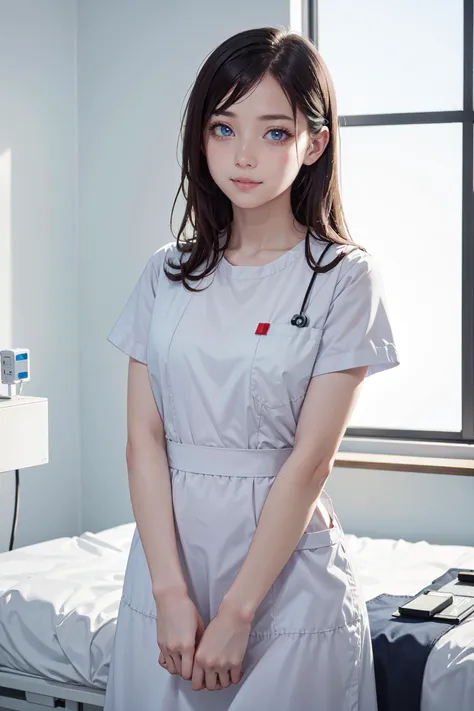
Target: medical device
[[426, 604], [300, 320], [15, 365], [466, 576]]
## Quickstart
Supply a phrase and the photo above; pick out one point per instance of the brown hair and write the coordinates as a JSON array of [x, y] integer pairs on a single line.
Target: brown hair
[[236, 66]]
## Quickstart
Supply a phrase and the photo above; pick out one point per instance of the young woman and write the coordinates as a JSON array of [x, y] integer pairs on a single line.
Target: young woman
[[249, 339]]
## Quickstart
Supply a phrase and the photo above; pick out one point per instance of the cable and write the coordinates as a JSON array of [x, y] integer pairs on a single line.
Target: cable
[[17, 505]]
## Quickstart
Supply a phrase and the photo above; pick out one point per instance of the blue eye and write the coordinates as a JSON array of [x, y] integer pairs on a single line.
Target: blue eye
[[224, 128], [281, 136]]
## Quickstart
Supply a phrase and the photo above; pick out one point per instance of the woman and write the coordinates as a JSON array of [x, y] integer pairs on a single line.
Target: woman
[[239, 593]]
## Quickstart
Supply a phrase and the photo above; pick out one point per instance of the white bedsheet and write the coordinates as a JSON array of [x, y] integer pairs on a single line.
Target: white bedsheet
[[59, 602]]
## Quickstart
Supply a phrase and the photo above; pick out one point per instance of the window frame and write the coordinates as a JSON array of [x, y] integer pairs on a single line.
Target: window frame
[[465, 117]]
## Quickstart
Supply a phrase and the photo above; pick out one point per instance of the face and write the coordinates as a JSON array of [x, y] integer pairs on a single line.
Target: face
[[255, 140]]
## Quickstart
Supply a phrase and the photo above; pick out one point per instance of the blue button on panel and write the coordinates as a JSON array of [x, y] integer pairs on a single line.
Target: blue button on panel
[[22, 375]]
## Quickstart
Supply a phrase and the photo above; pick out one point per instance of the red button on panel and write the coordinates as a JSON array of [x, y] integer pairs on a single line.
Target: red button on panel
[[262, 329]]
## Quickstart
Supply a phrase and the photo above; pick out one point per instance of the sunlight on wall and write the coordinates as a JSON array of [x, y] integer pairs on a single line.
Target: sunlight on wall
[[5, 253]]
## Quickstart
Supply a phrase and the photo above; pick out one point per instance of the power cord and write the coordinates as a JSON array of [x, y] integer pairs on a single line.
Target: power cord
[[17, 505]]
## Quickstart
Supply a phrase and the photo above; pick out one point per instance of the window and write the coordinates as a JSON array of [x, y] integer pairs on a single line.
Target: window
[[403, 74]]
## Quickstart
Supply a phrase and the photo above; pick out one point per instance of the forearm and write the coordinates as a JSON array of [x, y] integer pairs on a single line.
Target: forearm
[[151, 498], [286, 513]]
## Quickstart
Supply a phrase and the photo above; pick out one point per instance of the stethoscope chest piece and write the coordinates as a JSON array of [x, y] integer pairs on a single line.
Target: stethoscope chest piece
[[299, 320]]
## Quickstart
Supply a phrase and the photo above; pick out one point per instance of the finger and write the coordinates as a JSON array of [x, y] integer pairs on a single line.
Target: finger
[[236, 674], [170, 664], [197, 681], [211, 681], [162, 661], [224, 678], [187, 665], [176, 657]]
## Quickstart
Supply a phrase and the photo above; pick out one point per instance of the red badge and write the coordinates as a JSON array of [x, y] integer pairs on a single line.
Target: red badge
[[262, 329]]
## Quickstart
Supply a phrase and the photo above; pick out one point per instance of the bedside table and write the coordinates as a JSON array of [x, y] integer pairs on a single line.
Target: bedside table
[[24, 440]]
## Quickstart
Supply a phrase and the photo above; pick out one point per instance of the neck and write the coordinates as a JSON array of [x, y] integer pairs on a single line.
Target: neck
[[269, 227]]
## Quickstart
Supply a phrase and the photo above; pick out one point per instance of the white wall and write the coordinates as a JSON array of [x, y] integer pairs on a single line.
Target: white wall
[[39, 249], [136, 61]]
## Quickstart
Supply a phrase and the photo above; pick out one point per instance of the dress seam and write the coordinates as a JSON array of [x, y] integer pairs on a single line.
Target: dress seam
[[301, 633], [273, 633], [356, 671], [225, 476], [140, 612]]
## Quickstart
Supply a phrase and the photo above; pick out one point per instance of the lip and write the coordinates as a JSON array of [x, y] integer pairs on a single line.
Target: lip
[[245, 183], [245, 180]]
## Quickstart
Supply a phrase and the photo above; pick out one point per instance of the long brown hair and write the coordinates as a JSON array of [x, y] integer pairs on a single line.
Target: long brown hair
[[236, 66]]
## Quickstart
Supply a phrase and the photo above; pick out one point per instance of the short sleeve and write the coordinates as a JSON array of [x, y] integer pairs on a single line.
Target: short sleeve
[[357, 330], [130, 332]]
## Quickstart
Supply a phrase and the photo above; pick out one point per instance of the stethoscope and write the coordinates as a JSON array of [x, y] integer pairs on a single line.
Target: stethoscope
[[300, 320]]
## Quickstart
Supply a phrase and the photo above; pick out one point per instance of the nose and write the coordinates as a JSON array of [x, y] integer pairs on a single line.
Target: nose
[[245, 155]]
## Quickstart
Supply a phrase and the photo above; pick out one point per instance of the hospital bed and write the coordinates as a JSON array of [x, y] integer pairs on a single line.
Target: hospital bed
[[59, 601]]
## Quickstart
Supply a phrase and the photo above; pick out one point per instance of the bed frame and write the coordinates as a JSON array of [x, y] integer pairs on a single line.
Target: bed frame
[[19, 692]]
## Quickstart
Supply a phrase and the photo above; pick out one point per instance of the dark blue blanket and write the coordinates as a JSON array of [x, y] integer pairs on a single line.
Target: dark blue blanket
[[401, 648]]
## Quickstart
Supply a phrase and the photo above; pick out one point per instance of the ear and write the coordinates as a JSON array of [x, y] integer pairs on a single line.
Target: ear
[[316, 146]]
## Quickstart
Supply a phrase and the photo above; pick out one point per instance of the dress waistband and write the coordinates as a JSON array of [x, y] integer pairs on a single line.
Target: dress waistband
[[224, 461]]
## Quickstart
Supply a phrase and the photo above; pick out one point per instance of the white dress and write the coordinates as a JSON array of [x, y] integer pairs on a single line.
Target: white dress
[[230, 401]]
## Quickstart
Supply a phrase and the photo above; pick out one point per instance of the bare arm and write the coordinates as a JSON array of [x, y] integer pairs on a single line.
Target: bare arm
[[289, 506], [149, 482]]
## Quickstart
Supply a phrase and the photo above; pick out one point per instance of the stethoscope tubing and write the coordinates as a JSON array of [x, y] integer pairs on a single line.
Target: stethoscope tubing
[[300, 320]]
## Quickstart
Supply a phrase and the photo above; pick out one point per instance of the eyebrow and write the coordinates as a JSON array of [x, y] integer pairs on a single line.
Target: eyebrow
[[265, 117]]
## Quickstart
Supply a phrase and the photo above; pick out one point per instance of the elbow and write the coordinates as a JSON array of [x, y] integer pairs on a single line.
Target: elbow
[[130, 450], [324, 475], [314, 474], [321, 473]]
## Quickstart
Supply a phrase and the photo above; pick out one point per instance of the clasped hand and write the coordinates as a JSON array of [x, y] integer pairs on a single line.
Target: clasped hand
[[212, 659]]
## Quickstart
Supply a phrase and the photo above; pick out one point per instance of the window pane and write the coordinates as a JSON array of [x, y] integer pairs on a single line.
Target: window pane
[[401, 191], [392, 57]]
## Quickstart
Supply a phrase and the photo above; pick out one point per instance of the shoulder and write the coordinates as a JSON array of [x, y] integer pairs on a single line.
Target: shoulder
[[170, 252], [152, 268], [356, 276], [355, 261], [359, 276], [167, 251], [157, 260]]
